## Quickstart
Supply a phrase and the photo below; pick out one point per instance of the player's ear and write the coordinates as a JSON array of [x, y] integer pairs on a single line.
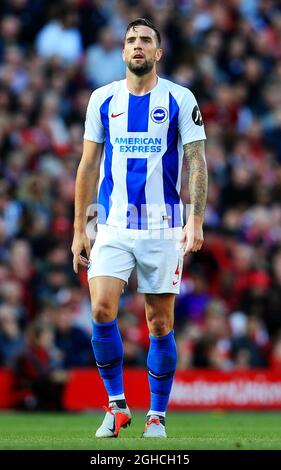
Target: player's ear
[[123, 55], [159, 53]]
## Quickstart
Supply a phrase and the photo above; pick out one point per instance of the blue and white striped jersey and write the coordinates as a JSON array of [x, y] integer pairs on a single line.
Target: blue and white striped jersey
[[140, 174]]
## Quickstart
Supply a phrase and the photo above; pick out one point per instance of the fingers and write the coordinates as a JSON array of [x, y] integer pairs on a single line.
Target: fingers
[[193, 244], [197, 245], [80, 243], [75, 262], [83, 261], [79, 260], [88, 248], [188, 247]]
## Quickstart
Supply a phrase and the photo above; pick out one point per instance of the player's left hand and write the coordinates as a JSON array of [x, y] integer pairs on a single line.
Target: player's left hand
[[192, 234]]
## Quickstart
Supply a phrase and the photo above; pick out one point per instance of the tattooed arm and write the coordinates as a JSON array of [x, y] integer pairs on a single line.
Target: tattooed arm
[[198, 185], [198, 177]]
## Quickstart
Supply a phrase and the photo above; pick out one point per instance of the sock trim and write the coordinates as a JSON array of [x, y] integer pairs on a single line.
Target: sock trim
[[105, 324], [157, 413], [121, 396], [161, 338]]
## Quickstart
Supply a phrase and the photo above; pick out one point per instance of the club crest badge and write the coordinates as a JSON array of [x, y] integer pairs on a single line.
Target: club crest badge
[[159, 115]]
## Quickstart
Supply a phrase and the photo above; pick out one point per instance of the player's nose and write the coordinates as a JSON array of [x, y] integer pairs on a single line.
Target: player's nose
[[137, 44]]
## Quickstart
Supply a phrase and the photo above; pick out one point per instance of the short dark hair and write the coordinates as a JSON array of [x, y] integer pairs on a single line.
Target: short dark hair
[[144, 22]]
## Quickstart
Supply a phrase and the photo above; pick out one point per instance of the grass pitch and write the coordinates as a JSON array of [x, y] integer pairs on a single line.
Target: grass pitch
[[187, 431]]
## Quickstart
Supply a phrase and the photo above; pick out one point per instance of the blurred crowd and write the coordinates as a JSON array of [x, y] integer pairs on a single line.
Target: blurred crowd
[[53, 54]]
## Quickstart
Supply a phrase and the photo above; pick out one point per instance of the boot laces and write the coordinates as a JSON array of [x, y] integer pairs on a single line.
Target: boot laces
[[109, 409], [153, 421]]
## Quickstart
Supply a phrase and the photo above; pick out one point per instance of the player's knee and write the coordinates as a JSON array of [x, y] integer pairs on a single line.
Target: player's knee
[[159, 327], [102, 312]]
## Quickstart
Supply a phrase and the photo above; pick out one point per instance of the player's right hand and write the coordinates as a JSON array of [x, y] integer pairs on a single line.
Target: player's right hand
[[80, 242]]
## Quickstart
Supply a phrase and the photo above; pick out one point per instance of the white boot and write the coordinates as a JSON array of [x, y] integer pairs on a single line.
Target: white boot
[[154, 428], [115, 419]]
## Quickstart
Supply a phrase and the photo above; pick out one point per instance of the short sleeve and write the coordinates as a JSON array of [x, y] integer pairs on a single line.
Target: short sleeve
[[94, 129], [191, 127]]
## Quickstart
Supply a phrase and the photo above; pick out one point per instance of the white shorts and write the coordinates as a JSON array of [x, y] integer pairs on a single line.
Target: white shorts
[[157, 257]]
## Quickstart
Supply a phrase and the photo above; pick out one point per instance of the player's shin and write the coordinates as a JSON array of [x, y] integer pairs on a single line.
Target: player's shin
[[161, 363], [108, 351]]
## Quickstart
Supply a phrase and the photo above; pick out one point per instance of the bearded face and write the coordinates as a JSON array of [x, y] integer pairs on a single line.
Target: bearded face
[[140, 68], [141, 50]]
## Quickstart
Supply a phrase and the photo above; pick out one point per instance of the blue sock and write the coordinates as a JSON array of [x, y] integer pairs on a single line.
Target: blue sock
[[108, 351], [161, 363]]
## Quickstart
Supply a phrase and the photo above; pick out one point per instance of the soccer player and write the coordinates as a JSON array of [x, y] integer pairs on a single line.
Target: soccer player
[[136, 133]]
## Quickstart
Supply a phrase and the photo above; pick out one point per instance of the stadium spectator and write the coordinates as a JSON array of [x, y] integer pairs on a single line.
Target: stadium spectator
[[272, 317], [106, 56], [73, 343], [40, 376], [10, 209], [11, 337], [61, 37], [275, 357], [212, 348], [251, 349], [10, 27], [191, 304]]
